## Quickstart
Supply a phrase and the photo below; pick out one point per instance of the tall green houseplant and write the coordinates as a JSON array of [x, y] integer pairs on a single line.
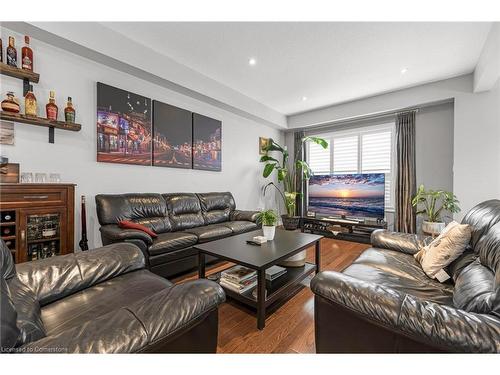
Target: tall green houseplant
[[287, 172]]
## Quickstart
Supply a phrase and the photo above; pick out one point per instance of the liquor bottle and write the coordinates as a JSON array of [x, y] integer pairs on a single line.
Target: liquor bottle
[[11, 103], [11, 53], [27, 55], [51, 107], [30, 108], [69, 112]]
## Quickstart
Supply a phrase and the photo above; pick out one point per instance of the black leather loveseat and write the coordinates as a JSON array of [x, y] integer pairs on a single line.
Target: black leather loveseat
[[384, 302], [179, 219], [103, 301]]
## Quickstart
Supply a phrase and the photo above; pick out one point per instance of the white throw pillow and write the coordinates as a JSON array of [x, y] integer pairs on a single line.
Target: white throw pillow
[[444, 249]]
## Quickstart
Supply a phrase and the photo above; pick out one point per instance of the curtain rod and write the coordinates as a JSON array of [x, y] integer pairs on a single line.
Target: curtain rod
[[344, 121], [370, 116]]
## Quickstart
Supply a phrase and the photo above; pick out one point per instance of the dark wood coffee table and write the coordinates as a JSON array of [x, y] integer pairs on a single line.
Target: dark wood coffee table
[[285, 244]]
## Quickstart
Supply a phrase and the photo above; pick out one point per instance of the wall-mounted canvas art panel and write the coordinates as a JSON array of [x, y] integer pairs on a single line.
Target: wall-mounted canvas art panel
[[172, 136], [207, 143], [123, 126]]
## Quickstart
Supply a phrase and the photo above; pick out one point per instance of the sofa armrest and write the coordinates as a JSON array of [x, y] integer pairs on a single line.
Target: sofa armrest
[[114, 233], [403, 242], [450, 328], [146, 325], [237, 215], [365, 298], [56, 277]]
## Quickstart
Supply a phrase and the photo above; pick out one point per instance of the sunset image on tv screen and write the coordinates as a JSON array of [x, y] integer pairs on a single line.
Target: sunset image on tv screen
[[350, 195]]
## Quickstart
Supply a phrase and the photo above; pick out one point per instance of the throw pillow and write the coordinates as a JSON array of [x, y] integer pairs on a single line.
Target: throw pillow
[[131, 225], [444, 249]]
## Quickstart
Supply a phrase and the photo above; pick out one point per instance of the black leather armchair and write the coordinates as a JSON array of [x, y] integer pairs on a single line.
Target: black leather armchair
[[181, 220], [103, 301], [384, 302]]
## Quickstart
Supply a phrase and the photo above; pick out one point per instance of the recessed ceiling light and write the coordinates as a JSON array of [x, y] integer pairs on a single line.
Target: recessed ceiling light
[[404, 70], [252, 61], [304, 98]]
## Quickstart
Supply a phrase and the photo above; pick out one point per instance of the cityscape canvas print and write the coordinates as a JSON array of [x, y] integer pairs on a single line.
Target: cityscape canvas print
[[172, 136], [207, 139], [124, 132]]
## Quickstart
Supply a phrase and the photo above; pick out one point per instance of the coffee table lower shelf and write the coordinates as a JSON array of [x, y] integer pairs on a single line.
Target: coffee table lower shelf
[[276, 289]]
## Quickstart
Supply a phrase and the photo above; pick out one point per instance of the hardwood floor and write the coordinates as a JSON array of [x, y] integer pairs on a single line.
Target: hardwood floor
[[290, 329]]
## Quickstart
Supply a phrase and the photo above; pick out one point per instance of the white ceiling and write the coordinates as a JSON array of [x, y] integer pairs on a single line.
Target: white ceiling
[[328, 63]]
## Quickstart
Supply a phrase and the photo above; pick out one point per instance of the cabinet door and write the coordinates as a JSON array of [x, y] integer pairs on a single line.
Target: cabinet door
[[42, 233]]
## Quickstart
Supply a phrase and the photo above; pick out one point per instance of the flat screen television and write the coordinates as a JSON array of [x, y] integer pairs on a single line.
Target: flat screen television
[[347, 195]]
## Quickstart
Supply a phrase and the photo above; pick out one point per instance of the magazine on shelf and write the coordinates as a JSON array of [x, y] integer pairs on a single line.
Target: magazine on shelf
[[238, 273], [238, 288]]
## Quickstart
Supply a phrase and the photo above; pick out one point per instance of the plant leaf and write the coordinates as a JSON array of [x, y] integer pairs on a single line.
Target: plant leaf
[[268, 169]]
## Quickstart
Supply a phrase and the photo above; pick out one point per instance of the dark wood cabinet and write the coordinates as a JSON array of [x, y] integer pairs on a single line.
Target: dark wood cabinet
[[37, 220]]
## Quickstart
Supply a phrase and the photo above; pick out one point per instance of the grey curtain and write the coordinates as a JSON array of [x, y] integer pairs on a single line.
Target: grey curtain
[[299, 154], [406, 185]]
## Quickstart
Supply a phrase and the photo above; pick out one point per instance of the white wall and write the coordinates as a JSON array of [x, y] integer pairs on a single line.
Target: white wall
[[476, 155], [74, 154]]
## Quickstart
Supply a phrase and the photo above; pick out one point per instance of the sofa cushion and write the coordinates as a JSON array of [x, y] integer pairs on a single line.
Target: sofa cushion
[[444, 249], [100, 299], [184, 210], [210, 232], [240, 226], [167, 242], [9, 332], [477, 287], [400, 272], [57, 277], [216, 207], [482, 217], [143, 208]]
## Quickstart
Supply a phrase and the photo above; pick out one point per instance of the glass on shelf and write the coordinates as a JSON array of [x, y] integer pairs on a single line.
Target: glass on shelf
[[40, 178], [55, 178], [26, 177]]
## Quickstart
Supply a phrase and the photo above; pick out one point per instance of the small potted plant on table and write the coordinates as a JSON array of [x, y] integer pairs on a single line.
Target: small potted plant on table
[[268, 219], [433, 203]]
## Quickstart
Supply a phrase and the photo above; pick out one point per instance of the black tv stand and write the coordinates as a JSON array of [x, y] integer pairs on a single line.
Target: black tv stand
[[342, 228]]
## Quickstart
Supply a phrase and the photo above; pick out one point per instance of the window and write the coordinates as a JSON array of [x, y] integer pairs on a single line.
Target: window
[[363, 150]]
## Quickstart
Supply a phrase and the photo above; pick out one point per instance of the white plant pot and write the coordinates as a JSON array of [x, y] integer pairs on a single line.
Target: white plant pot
[[298, 260], [269, 231], [430, 227]]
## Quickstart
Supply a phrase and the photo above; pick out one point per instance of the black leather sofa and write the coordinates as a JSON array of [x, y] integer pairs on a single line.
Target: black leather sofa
[[181, 220], [384, 302], [103, 301]]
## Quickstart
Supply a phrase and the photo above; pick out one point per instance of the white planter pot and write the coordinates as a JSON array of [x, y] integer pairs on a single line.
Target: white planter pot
[[298, 260], [269, 231], [432, 228]]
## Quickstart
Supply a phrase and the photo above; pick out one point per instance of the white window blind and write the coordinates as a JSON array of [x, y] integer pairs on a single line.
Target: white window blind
[[345, 154], [364, 150], [319, 158], [376, 152]]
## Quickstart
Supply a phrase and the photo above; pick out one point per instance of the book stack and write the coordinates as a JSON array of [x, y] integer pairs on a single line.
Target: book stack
[[239, 279]]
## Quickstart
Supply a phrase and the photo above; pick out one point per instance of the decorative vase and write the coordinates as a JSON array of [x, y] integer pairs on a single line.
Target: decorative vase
[[269, 231], [433, 228], [11, 104], [290, 222]]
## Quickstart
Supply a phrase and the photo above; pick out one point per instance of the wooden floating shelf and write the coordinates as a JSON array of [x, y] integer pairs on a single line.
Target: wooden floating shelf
[[19, 73], [39, 121]]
